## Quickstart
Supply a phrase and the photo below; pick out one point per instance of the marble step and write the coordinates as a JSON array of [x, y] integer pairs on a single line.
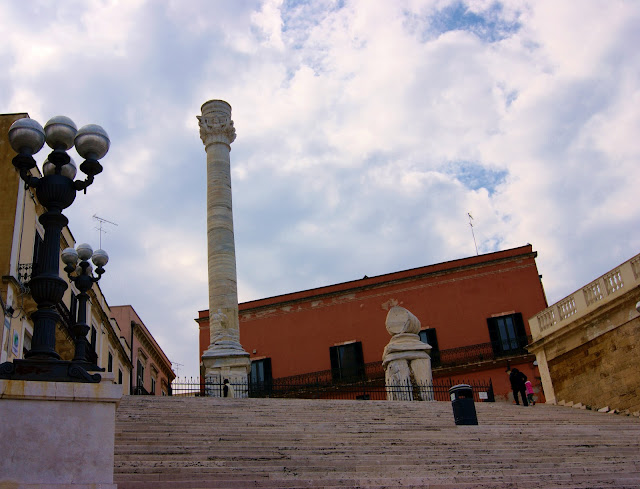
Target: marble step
[[239, 443]]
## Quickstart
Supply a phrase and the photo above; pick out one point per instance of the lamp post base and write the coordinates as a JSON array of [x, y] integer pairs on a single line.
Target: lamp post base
[[47, 371]]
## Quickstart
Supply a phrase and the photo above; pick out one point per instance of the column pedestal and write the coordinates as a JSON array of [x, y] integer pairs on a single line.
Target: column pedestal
[[233, 369]]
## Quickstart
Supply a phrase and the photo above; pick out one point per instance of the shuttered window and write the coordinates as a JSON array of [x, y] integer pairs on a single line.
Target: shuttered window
[[261, 371], [429, 336], [347, 361], [507, 334]]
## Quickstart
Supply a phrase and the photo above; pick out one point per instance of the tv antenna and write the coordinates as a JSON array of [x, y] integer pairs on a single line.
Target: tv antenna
[[472, 233], [101, 224], [178, 365]]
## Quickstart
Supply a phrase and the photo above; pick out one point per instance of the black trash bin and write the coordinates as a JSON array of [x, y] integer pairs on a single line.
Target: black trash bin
[[464, 410]]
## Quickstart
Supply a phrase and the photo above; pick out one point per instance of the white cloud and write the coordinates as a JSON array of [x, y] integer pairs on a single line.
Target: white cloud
[[366, 132]]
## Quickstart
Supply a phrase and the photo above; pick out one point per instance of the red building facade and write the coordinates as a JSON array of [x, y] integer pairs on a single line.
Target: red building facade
[[473, 312]]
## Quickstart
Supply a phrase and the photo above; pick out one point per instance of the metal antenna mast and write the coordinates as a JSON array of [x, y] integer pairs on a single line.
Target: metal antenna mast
[[178, 365], [472, 233], [100, 227]]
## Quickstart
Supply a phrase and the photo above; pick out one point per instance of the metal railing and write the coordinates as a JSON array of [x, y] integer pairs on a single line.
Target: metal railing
[[482, 352], [439, 359], [25, 272], [361, 390]]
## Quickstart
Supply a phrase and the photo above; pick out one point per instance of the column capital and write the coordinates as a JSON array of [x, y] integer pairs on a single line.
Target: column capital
[[215, 123]]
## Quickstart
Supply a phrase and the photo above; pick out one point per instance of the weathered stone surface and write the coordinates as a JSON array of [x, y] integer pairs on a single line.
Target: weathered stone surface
[[405, 355], [603, 371], [225, 358], [176, 443], [586, 344], [57, 434]]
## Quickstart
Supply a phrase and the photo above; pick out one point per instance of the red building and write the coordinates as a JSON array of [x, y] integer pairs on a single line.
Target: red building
[[473, 313]]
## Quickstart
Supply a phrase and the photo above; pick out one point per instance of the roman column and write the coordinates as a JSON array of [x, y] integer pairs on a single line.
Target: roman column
[[225, 359]]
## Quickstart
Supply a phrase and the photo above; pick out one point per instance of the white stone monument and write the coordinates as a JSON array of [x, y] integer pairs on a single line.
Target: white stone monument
[[225, 359], [406, 354]]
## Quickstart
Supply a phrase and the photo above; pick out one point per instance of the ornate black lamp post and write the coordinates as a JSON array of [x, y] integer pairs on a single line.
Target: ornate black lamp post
[[78, 261], [56, 191]]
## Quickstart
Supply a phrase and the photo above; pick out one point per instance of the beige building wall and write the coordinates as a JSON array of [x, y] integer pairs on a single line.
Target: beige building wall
[[152, 373], [588, 344], [19, 232]]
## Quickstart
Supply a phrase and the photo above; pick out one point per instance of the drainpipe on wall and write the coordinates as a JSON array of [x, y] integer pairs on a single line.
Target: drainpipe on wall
[[132, 364]]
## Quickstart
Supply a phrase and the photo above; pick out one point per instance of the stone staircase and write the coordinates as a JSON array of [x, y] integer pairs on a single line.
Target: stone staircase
[[173, 442]]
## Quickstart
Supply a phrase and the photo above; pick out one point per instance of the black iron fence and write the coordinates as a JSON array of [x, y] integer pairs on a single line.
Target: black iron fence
[[479, 353], [373, 371], [358, 390]]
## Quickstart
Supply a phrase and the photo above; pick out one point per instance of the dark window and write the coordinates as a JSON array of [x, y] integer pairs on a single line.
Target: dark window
[[26, 343], [140, 375], [94, 338], [110, 363], [153, 385], [507, 334], [429, 336], [73, 309], [38, 247], [347, 361], [119, 376], [261, 371]]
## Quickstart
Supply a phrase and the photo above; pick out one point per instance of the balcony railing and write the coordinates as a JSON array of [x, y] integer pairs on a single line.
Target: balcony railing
[[454, 357], [482, 352], [25, 272], [593, 295]]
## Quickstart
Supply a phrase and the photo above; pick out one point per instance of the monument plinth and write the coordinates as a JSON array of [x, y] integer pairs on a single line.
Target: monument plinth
[[225, 358]]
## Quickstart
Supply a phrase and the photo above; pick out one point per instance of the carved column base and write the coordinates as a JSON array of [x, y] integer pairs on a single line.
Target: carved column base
[[228, 364]]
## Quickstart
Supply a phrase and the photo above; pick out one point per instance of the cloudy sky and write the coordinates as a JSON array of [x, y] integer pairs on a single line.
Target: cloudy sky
[[367, 130]]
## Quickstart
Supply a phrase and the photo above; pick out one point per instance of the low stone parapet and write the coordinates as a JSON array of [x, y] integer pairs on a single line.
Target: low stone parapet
[[57, 435]]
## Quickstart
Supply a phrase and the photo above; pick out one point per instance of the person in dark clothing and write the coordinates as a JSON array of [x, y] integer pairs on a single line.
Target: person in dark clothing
[[517, 380]]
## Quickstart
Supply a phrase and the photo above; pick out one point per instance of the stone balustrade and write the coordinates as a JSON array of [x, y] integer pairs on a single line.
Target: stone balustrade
[[583, 301]]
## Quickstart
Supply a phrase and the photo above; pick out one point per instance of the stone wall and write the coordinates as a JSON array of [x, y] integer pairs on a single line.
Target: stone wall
[[9, 185], [604, 371]]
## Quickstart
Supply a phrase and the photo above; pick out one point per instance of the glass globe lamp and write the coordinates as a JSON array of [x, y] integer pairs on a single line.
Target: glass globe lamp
[[84, 251], [60, 132], [68, 170], [26, 136], [100, 258], [69, 257]]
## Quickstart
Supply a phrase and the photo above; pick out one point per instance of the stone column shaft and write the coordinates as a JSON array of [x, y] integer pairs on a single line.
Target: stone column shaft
[[225, 358]]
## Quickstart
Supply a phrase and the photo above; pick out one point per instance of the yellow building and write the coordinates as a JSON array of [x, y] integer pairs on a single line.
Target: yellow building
[[21, 236], [587, 344]]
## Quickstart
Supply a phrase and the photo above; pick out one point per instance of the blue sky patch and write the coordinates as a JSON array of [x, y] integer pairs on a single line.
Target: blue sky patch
[[475, 176], [489, 25]]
